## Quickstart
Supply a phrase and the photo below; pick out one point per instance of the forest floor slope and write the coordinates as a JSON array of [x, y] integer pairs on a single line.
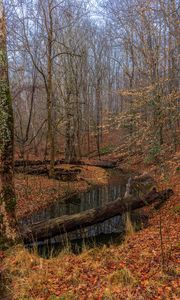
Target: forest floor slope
[[143, 267]]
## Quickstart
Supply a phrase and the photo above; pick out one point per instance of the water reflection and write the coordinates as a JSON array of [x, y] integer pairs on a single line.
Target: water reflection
[[96, 197]]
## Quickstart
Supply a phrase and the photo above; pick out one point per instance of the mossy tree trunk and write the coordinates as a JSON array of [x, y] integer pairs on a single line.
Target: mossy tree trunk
[[8, 231]]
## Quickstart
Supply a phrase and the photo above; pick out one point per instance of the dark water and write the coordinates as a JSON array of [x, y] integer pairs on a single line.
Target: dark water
[[95, 197], [104, 232]]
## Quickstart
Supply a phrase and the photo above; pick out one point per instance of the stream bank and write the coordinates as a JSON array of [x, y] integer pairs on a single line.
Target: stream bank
[[37, 192], [110, 227], [99, 272]]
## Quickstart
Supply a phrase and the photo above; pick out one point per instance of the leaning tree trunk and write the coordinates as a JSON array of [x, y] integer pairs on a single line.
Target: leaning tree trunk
[[52, 227], [8, 230]]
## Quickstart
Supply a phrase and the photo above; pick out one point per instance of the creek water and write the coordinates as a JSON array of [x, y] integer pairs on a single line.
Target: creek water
[[108, 231]]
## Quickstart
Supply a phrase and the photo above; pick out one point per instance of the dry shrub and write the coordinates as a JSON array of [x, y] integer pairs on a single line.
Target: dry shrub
[[122, 277]]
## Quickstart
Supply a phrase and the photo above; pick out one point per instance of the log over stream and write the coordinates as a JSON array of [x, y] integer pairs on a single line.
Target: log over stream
[[47, 229]]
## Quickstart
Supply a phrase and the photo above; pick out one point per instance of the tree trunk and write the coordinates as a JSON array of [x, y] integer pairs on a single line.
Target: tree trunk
[[7, 198], [98, 121], [49, 96], [47, 229]]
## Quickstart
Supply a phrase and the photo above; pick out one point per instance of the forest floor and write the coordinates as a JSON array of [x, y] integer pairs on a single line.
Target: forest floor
[[143, 267], [36, 192]]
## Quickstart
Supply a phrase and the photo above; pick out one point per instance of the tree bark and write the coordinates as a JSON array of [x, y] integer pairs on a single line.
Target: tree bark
[[49, 94], [7, 198], [47, 229]]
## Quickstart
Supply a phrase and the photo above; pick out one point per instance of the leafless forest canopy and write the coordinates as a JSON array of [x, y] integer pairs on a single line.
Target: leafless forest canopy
[[80, 71], [89, 149]]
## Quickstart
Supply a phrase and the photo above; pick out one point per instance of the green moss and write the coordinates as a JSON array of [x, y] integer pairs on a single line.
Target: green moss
[[3, 244], [107, 149], [1, 219], [176, 209], [153, 153], [10, 202]]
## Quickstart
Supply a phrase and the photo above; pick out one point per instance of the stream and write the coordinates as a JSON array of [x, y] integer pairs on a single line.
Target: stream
[[106, 232]]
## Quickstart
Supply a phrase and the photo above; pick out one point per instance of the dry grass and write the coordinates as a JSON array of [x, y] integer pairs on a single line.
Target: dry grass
[[129, 228], [122, 277], [129, 271]]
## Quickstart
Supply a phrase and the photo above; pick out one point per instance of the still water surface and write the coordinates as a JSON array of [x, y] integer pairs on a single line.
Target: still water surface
[[100, 233]]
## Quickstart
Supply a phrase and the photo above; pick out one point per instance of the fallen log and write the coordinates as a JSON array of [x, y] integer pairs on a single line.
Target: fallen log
[[47, 229], [28, 163], [33, 170], [59, 173], [103, 164], [66, 175]]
